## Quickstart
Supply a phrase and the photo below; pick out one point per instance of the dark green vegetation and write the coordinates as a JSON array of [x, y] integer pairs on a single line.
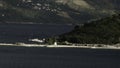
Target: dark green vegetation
[[103, 31], [52, 11]]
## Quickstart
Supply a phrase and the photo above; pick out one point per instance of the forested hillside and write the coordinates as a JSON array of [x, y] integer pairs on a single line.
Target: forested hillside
[[56, 11], [103, 31]]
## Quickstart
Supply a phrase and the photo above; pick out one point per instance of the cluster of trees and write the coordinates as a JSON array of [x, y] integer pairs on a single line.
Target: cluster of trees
[[103, 31]]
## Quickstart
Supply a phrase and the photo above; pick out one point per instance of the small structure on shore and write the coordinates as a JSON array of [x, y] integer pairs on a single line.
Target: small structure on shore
[[55, 43]]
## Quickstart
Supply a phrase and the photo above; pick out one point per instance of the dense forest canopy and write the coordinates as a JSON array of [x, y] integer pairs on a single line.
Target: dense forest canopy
[[103, 31]]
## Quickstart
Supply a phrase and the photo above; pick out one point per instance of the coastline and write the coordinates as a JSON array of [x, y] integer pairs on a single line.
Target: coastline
[[58, 46]]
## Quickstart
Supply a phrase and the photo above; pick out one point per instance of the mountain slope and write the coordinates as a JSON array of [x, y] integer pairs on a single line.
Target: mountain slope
[[56, 11], [103, 31]]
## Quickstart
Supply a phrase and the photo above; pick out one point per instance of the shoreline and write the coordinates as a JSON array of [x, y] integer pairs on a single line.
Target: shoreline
[[58, 46]]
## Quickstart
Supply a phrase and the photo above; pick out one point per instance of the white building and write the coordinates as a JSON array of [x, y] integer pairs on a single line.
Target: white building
[[55, 43]]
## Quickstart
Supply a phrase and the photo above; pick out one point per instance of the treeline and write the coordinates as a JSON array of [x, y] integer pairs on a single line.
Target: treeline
[[103, 31]]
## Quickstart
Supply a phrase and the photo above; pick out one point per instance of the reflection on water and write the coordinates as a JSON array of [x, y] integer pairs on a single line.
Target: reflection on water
[[23, 32]]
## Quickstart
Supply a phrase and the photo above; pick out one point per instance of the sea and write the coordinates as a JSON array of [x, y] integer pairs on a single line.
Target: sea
[[42, 57], [12, 33], [38, 57]]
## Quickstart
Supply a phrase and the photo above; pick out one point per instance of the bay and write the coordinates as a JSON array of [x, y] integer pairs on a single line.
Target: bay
[[11, 33]]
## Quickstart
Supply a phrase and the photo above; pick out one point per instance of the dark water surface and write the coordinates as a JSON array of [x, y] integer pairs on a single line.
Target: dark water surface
[[21, 57], [23, 32]]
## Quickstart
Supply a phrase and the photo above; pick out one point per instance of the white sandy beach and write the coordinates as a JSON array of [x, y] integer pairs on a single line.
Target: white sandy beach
[[59, 46]]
